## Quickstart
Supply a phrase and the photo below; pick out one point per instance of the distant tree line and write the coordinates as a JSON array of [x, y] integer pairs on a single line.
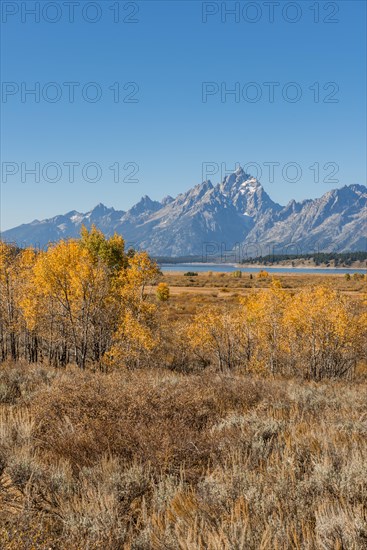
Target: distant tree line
[[339, 259]]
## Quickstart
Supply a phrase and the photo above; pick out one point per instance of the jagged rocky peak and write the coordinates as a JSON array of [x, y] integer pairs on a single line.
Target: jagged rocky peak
[[293, 208], [246, 193], [145, 205], [357, 189], [167, 200], [197, 192], [98, 212], [100, 209], [72, 213], [203, 187], [239, 180]]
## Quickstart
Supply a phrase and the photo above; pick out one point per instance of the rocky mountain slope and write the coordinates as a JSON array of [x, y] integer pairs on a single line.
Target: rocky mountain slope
[[215, 219]]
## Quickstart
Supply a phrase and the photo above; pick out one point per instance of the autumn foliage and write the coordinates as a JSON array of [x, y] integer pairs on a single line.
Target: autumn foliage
[[77, 302], [89, 302], [315, 333]]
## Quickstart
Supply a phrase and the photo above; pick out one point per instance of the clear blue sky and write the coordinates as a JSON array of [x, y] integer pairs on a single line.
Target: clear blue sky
[[169, 52]]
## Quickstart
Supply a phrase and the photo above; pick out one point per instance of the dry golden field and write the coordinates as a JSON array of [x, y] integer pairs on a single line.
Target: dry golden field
[[152, 459], [291, 281]]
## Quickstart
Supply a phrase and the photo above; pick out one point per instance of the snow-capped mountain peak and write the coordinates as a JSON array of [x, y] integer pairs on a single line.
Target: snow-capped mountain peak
[[236, 211]]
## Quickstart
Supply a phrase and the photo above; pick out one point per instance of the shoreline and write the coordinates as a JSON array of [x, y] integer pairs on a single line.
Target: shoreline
[[243, 267], [300, 266]]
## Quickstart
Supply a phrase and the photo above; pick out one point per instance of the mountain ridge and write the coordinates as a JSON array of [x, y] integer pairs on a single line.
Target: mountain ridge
[[236, 212]]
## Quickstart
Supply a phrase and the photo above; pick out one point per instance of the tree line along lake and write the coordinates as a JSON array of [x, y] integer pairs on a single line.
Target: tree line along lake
[[228, 268]]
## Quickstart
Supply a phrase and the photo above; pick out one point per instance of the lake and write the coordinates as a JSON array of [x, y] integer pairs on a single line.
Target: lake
[[228, 268]]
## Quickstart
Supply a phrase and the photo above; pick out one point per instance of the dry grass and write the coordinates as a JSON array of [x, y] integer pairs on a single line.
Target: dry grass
[[158, 460], [289, 280]]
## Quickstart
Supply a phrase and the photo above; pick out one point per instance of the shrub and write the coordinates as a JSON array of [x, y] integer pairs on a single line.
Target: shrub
[[135, 417], [152, 459], [163, 292]]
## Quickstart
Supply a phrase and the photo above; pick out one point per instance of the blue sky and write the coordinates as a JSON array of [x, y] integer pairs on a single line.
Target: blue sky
[[169, 52]]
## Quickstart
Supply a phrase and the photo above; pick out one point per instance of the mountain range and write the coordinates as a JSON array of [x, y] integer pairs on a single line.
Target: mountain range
[[207, 220]]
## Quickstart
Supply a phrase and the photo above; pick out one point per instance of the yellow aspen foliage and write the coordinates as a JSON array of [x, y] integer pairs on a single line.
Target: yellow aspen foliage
[[137, 334], [141, 272], [134, 339], [163, 292], [69, 290], [325, 332], [263, 328], [109, 251], [214, 336], [77, 300]]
